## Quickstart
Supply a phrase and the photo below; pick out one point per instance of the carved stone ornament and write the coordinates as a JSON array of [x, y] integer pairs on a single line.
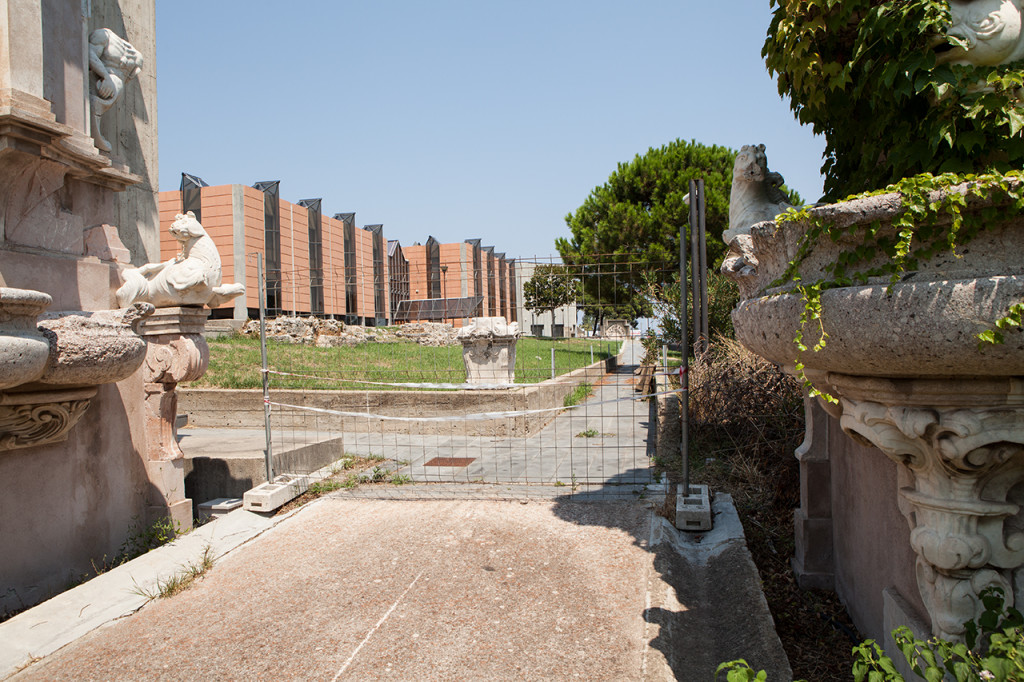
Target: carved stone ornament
[[192, 278], [114, 62], [176, 351], [50, 367], [964, 461], [30, 419], [615, 329]]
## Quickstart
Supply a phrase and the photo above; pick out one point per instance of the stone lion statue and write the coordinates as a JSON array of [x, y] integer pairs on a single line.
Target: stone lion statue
[[756, 192], [193, 277]]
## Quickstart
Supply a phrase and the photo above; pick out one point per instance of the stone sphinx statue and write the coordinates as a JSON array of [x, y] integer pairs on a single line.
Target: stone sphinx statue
[[756, 192], [991, 30], [193, 277], [114, 62]]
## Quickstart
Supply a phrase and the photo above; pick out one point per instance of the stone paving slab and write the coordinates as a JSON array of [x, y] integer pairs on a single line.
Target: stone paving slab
[[443, 590]]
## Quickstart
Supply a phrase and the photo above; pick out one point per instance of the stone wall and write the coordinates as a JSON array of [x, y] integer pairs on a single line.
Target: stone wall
[[236, 408], [66, 506]]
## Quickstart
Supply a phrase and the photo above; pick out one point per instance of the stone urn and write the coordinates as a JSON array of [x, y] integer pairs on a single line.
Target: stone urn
[[904, 364], [24, 350], [489, 350]]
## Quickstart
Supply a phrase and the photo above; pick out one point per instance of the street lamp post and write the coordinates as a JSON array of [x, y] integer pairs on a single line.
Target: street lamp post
[[444, 292]]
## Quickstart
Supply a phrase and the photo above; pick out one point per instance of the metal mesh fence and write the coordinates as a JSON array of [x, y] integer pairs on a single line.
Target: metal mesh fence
[[392, 411]]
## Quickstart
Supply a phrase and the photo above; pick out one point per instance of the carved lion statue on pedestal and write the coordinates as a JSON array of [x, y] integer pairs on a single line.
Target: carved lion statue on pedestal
[[193, 277]]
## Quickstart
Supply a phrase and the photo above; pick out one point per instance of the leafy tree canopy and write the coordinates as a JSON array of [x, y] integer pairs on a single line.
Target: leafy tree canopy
[[626, 233], [550, 287], [865, 75], [636, 215]]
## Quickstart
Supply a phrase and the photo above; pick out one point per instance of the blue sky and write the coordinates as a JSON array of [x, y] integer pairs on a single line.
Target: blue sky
[[461, 119]]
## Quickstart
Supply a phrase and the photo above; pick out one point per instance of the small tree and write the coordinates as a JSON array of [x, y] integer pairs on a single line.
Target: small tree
[[550, 287]]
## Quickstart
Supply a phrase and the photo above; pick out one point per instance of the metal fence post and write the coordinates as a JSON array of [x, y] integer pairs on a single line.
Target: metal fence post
[[684, 369], [705, 339], [552, 362], [261, 285]]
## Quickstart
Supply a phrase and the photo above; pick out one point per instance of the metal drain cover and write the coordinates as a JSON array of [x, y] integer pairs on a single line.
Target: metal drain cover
[[450, 462]]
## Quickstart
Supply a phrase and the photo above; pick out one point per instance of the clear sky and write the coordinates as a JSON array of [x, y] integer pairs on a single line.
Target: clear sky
[[461, 118]]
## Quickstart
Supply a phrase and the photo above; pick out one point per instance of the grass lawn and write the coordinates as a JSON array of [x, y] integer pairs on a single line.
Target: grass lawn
[[235, 362]]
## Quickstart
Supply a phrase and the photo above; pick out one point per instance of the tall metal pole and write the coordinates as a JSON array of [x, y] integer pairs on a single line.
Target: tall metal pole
[[684, 347], [695, 262], [701, 213], [261, 285]]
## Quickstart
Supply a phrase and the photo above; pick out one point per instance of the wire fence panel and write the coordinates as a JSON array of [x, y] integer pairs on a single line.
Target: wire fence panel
[[388, 410]]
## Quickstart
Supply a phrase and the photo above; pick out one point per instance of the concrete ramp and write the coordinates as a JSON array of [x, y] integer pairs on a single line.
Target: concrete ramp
[[357, 589]]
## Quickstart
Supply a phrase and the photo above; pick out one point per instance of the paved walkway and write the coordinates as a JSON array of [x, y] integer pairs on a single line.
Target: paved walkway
[[348, 589]]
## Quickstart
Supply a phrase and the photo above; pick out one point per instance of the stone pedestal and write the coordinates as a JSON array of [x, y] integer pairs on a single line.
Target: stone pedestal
[[963, 441], [489, 350], [176, 352], [812, 522]]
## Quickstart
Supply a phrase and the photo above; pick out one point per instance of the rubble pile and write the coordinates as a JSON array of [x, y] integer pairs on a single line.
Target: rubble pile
[[314, 331]]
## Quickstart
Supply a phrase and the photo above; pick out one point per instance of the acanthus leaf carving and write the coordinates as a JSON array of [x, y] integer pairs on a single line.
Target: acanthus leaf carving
[[964, 463], [23, 426]]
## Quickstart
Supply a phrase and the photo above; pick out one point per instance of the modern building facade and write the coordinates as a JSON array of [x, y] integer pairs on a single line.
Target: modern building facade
[[326, 266]]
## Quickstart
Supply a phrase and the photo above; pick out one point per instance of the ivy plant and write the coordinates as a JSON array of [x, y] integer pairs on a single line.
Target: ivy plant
[[864, 75], [993, 649], [931, 221]]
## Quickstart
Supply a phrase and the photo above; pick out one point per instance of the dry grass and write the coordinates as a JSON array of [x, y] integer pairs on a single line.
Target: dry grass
[[180, 581], [747, 418]]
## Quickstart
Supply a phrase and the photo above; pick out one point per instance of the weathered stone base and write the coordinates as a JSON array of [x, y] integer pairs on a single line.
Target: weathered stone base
[[813, 560]]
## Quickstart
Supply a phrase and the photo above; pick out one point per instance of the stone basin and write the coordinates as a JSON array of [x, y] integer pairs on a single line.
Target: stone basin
[[917, 329], [924, 325], [906, 375], [91, 348]]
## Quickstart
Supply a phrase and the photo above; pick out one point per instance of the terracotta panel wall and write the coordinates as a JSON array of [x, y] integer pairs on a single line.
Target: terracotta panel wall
[[489, 263], [417, 256], [218, 218], [255, 234], [387, 278], [451, 282], [294, 258], [170, 206], [364, 273], [334, 266], [219, 224]]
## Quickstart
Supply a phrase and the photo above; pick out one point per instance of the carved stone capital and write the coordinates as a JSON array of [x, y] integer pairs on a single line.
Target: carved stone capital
[[964, 461], [176, 349]]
